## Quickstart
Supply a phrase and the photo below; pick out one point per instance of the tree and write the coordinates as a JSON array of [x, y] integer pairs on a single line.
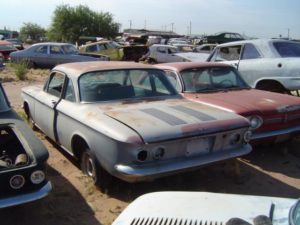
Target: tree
[[32, 31], [69, 23]]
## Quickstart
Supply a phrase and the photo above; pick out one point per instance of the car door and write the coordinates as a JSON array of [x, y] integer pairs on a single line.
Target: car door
[[46, 102], [57, 56], [40, 55]]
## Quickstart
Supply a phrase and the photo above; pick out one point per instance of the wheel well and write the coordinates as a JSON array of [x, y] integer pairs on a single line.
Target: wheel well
[[78, 146], [270, 85], [26, 108]]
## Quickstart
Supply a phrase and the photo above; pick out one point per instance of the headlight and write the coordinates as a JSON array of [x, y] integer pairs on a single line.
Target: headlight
[[255, 122], [235, 138], [158, 153], [247, 136], [142, 155], [37, 177], [17, 181]]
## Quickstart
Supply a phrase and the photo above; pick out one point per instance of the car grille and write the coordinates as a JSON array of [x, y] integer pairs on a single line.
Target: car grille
[[172, 221]]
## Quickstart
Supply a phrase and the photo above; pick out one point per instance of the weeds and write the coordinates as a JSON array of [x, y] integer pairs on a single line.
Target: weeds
[[20, 70]]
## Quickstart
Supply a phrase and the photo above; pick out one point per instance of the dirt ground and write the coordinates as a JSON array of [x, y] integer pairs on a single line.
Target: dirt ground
[[75, 200]]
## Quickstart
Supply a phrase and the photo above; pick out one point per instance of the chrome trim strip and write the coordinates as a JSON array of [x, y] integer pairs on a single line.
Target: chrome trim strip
[[258, 135]]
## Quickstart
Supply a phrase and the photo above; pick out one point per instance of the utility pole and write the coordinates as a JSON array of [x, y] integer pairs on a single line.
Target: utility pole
[[172, 25], [288, 34], [130, 24], [190, 27]]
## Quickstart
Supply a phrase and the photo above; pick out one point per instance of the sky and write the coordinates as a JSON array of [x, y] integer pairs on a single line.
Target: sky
[[253, 18]]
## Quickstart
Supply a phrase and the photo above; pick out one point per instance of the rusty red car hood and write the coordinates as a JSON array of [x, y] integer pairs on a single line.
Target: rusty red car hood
[[172, 119], [247, 102]]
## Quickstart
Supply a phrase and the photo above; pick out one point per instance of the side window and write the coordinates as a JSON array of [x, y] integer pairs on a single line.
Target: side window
[[42, 49], [250, 52], [174, 80], [229, 53], [101, 47], [55, 50], [91, 48], [70, 94], [161, 50], [55, 85]]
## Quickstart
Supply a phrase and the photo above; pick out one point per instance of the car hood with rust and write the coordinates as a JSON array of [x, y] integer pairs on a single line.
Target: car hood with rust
[[162, 120], [247, 101]]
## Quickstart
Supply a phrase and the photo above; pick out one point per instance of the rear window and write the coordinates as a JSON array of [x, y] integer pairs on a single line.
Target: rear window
[[287, 49]]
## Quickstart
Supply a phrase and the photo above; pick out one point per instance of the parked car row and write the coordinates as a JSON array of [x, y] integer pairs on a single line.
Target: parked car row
[[138, 122]]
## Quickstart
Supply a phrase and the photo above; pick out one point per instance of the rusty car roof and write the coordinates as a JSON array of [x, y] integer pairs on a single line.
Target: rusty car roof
[[179, 66], [77, 68]]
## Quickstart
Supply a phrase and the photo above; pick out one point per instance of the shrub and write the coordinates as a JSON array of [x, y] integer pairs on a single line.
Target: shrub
[[20, 70]]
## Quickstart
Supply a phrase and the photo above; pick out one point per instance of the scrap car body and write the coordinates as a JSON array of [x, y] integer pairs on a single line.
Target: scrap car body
[[274, 117], [127, 119], [22, 160], [49, 54], [266, 64]]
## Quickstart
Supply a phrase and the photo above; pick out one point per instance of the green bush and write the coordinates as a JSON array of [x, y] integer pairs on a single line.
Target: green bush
[[20, 70]]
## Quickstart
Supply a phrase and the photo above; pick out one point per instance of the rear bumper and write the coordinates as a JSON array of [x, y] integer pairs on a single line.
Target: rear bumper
[[28, 197], [157, 169]]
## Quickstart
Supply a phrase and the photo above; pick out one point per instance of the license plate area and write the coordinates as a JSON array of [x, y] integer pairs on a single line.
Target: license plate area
[[199, 146]]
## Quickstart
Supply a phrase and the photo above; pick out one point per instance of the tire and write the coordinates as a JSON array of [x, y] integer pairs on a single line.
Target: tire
[[30, 121], [91, 168], [151, 61]]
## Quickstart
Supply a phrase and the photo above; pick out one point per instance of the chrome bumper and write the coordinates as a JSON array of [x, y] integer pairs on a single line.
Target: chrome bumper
[[157, 169], [29, 197], [275, 133]]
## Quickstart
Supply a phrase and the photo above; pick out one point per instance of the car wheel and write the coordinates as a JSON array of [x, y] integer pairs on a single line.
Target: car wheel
[[272, 86], [30, 121], [151, 61], [91, 168]]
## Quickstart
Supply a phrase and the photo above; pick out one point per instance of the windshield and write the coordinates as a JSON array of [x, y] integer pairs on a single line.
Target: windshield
[[294, 216], [124, 84], [3, 102], [212, 79], [287, 49], [70, 49]]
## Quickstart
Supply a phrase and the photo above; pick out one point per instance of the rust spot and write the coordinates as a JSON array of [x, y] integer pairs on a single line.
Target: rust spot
[[135, 140], [90, 115]]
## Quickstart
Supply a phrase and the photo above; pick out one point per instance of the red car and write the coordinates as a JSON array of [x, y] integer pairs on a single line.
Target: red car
[[6, 48], [274, 118]]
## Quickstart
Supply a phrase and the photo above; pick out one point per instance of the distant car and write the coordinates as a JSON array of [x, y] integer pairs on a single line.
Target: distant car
[[16, 42], [6, 48], [22, 159], [125, 119], [222, 37], [2, 66], [184, 47], [49, 54], [205, 48], [168, 53], [104, 47], [114, 50], [274, 118], [208, 208], [266, 64]]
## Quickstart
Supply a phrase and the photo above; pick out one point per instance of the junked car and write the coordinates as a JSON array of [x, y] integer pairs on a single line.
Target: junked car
[[49, 54], [274, 118], [198, 208], [266, 64], [6, 48], [114, 50], [168, 53], [22, 159], [126, 119]]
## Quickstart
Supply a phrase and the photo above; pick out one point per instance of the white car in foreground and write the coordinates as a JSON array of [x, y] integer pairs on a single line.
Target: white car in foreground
[[205, 208], [266, 64]]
